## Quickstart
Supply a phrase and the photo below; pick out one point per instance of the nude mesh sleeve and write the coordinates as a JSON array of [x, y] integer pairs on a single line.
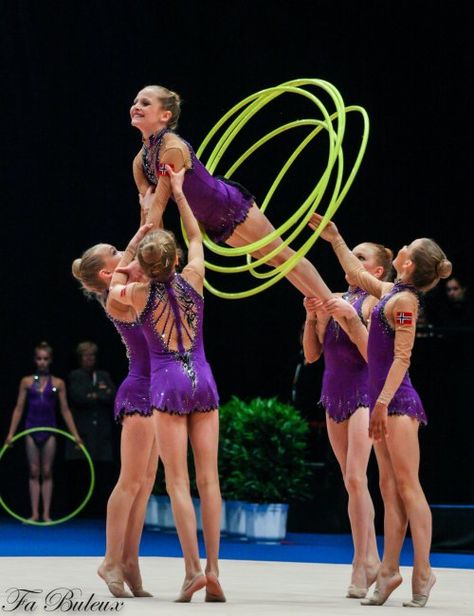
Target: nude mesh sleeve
[[405, 304]]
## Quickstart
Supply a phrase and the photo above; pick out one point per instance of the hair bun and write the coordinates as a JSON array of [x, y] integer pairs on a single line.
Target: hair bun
[[76, 268], [444, 268]]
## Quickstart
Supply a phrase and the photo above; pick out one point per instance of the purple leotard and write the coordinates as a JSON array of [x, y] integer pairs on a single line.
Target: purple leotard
[[181, 378], [218, 204], [133, 395], [41, 408], [406, 400], [345, 380]]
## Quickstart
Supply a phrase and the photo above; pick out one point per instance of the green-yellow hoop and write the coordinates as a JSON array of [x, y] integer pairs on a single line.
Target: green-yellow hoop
[[89, 492], [334, 123]]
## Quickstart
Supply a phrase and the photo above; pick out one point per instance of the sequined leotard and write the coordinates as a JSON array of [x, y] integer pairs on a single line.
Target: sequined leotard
[[380, 350], [181, 378], [345, 380], [218, 204], [41, 408], [133, 395]]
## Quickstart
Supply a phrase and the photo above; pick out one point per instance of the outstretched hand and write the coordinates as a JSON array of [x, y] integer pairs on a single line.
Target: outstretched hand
[[338, 307], [313, 306], [330, 232], [176, 179]]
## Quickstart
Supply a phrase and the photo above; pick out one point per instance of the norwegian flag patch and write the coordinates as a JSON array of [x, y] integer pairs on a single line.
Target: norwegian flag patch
[[404, 318], [162, 168]]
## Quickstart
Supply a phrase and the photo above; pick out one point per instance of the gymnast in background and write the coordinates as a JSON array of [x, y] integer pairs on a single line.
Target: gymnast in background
[[40, 393]]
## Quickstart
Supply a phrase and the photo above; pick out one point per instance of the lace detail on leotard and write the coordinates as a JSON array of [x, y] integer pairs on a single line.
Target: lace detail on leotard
[[151, 153], [174, 316]]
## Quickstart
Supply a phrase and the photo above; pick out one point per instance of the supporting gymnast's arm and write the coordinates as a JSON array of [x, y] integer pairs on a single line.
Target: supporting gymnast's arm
[[356, 274], [314, 328], [402, 311], [349, 320], [194, 270], [174, 156], [120, 291]]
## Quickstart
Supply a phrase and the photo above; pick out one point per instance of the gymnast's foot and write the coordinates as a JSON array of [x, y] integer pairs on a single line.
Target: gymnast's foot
[[358, 588], [214, 592], [371, 572], [47, 519], [113, 577], [133, 579], [384, 586], [190, 586], [421, 591]]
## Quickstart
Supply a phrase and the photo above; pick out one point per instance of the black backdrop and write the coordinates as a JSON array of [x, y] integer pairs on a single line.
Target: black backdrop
[[70, 73]]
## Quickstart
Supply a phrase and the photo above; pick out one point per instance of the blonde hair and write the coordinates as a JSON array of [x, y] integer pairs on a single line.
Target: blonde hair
[[430, 263], [384, 258], [44, 346], [157, 254], [87, 268], [171, 101], [86, 346]]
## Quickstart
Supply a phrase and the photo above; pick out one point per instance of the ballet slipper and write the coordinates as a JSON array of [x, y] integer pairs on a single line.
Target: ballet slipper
[[420, 599], [114, 583], [383, 591], [356, 592], [372, 576], [214, 592], [136, 589], [190, 587]]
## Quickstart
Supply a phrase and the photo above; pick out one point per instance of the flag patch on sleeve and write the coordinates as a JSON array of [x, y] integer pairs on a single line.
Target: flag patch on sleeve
[[162, 168], [404, 318]]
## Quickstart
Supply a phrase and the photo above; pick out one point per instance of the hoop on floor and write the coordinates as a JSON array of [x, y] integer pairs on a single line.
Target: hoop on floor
[[243, 112], [91, 485]]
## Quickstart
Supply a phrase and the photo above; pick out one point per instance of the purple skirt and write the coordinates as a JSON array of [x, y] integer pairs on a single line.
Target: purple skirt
[[406, 401], [133, 397], [341, 407], [181, 388]]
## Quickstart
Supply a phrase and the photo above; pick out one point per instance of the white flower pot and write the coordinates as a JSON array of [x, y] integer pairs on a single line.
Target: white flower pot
[[266, 522], [235, 518], [152, 517], [197, 509], [165, 514]]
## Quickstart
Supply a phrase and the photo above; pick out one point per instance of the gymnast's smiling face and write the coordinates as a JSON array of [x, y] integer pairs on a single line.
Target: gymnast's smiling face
[[147, 112]]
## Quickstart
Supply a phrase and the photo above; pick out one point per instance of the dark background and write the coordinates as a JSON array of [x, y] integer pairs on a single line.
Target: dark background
[[70, 72]]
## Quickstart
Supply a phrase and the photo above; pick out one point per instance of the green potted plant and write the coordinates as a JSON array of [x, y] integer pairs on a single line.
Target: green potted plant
[[263, 462]]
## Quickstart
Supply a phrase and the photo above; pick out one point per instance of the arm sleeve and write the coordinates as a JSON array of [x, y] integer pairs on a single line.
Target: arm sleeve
[[403, 313], [355, 272], [174, 156]]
